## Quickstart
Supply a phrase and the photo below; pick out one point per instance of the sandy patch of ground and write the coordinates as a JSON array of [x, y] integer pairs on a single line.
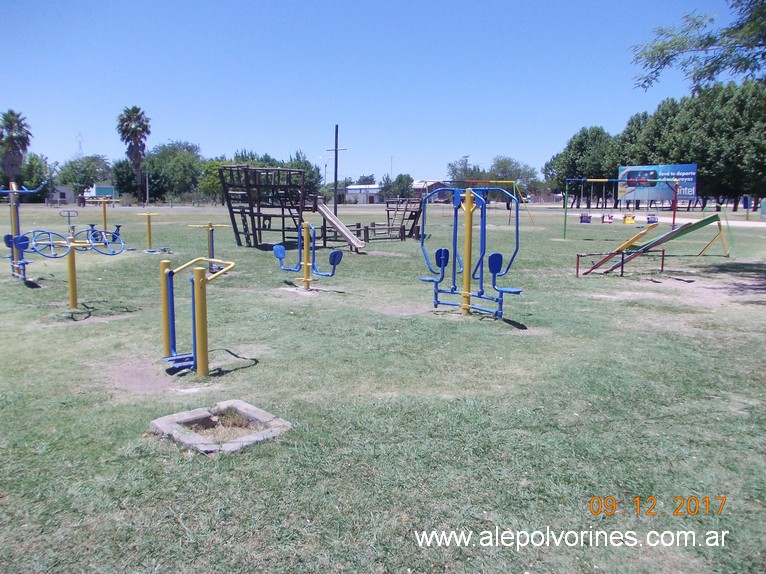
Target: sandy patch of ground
[[686, 289], [140, 377]]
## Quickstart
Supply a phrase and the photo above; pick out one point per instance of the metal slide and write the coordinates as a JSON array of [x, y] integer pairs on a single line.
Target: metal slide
[[675, 234], [338, 225], [622, 247]]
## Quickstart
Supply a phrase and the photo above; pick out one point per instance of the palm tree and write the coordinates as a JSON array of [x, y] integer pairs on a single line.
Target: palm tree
[[133, 127], [14, 142]]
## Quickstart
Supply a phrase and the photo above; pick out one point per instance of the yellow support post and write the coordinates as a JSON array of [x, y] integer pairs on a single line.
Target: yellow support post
[[720, 235], [103, 214], [165, 308], [200, 320], [148, 229], [306, 259], [103, 202], [15, 255], [72, 275], [467, 246]]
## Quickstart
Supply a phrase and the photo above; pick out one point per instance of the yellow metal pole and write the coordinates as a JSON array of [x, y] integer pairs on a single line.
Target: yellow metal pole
[[149, 233], [466, 293], [15, 255], [200, 320], [72, 275], [103, 213], [165, 307], [306, 259]]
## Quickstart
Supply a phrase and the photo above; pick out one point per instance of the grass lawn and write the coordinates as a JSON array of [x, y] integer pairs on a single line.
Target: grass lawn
[[640, 390]]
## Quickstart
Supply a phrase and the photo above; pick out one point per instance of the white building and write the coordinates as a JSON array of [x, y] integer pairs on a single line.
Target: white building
[[100, 190], [363, 193]]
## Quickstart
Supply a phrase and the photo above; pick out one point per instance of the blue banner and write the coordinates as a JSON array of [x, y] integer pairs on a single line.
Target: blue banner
[[657, 182]]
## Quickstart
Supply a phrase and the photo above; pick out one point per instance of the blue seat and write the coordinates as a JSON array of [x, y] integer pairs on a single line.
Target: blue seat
[[495, 264], [442, 260]]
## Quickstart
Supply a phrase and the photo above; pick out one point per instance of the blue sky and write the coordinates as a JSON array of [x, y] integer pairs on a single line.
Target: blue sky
[[413, 85]]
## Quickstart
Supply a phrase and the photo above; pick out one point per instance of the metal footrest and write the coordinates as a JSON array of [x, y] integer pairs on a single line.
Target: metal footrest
[[184, 361]]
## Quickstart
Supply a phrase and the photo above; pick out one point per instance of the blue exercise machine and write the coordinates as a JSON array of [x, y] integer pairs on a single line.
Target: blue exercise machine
[[307, 261], [469, 200]]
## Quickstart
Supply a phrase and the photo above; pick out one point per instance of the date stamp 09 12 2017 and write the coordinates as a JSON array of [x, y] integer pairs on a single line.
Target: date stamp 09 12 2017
[[647, 506]]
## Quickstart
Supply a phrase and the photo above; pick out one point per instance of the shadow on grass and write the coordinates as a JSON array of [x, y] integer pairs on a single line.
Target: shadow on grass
[[516, 324], [314, 289], [290, 245], [85, 311], [749, 278], [82, 313], [509, 322]]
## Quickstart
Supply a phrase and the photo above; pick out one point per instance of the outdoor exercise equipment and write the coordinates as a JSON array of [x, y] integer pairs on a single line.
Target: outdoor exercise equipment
[[69, 214], [53, 245], [103, 201], [197, 360], [307, 263], [149, 216], [467, 201], [17, 242], [102, 240], [71, 255], [211, 241]]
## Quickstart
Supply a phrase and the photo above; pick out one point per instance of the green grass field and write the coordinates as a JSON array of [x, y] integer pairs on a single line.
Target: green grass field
[[405, 419]]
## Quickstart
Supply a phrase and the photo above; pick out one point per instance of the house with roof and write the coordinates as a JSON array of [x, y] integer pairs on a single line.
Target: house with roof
[[423, 187], [363, 193], [60, 195]]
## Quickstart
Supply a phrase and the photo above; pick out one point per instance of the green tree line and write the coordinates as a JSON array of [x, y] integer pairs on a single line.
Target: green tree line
[[721, 128]]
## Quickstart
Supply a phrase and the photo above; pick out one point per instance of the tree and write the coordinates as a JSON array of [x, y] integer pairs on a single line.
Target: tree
[[34, 172], [462, 170], [507, 168], [585, 156], [386, 187], [401, 186], [210, 182], [14, 142], [660, 141], [723, 128], [133, 127], [84, 172], [704, 53], [123, 179], [624, 149], [174, 170], [312, 176], [366, 180]]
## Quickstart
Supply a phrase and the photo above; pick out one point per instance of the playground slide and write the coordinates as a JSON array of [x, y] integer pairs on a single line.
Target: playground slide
[[622, 247], [674, 234], [337, 224]]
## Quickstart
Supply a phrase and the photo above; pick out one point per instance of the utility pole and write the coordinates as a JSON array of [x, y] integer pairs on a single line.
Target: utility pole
[[336, 149]]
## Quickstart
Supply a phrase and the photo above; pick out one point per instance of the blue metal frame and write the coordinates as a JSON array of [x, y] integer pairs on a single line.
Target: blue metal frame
[[180, 360], [280, 252], [19, 266], [494, 261]]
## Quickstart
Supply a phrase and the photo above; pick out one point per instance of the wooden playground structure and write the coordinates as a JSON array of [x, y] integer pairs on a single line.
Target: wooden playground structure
[[265, 199], [275, 200]]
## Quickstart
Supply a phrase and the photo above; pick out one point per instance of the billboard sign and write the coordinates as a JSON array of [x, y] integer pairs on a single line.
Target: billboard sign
[[657, 182]]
